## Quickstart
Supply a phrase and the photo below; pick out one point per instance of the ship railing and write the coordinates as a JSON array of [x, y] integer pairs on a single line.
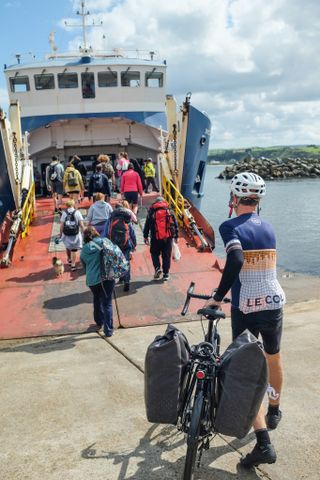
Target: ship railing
[[115, 53], [175, 199], [28, 210]]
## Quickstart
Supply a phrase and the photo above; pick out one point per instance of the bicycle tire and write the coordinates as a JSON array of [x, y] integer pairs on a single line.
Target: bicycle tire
[[193, 437]]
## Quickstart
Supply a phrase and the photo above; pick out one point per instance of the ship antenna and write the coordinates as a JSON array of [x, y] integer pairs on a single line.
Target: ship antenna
[[84, 14]]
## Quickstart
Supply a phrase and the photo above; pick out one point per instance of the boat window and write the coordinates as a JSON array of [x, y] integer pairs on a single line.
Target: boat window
[[107, 79], [154, 79], [68, 80], [87, 82], [19, 84], [130, 79], [44, 81]]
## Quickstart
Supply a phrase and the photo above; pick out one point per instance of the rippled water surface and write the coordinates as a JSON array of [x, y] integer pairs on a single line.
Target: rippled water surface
[[291, 206]]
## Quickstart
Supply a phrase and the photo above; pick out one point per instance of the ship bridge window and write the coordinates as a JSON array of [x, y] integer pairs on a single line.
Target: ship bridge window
[[68, 80], [154, 79], [87, 82], [130, 79], [19, 84], [44, 81], [108, 79]]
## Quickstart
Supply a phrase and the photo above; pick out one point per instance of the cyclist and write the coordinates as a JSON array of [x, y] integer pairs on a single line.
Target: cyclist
[[257, 297]]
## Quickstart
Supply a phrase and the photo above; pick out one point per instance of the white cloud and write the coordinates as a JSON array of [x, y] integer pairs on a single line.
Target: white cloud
[[251, 65]]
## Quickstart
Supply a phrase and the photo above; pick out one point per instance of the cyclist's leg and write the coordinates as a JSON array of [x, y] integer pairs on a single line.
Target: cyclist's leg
[[271, 332], [240, 321]]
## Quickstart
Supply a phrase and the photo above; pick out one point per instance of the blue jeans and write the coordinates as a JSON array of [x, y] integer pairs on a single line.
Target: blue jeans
[[102, 305]]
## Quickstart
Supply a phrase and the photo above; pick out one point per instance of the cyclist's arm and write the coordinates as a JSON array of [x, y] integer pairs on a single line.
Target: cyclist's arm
[[231, 271], [234, 259]]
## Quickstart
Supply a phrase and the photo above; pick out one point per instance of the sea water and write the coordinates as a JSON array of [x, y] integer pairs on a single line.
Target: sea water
[[291, 206]]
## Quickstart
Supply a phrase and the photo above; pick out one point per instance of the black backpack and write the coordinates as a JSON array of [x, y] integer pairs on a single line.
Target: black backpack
[[119, 228], [97, 183], [53, 174], [70, 226], [72, 179]]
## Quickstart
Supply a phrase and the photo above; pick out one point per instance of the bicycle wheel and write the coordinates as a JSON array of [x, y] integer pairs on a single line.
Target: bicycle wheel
[[193, 437]]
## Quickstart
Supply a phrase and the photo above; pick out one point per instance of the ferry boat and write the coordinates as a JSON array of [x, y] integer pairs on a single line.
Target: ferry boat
[[90, 102]]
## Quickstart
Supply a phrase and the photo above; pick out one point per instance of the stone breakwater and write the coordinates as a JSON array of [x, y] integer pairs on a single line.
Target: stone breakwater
[[274, 169]]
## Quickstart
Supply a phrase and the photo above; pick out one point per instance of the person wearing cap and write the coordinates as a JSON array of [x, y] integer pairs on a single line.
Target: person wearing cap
[[150, 174], [256, 295]]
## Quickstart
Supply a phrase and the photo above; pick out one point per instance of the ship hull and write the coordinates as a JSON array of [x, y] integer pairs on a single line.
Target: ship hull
[[196, 153]]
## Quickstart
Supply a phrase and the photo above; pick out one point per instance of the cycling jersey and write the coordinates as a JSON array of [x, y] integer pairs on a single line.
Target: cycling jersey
[[256, 287]]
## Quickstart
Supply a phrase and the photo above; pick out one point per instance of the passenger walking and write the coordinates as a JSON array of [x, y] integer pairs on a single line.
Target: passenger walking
[[162, 226], [131, 187], [126, 206], [121, 166], [120, 231], [78, 165], [71, 228], [54, 182], [108, 170], [257, 297], [150, 174], [99, 213], [102, 290], [73, 183], [98, 183]]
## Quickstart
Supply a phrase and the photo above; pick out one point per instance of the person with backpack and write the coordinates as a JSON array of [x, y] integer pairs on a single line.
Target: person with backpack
[[78, 165], [101, 289], [72, 182], [162, 226], [119, 229], [131, 187], [98, 183], [99, 213], [108, 170], [54, 182], [71, 228]]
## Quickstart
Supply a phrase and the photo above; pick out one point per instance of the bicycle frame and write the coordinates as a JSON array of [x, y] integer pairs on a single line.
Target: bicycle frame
[[199, 400]]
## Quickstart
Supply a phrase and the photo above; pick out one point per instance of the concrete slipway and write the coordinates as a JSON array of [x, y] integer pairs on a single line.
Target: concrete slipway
[[72, 407]]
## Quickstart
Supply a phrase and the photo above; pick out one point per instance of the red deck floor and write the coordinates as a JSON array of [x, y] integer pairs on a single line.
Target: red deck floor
[[34, 302]]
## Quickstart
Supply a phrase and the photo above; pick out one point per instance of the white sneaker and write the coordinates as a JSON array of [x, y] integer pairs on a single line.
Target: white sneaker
[[166, 277]]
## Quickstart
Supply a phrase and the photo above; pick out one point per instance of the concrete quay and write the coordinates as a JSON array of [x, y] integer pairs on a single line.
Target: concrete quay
[[72, 407]]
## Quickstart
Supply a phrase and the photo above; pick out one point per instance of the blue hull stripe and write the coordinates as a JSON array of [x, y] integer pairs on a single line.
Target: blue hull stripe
[[151, 119]]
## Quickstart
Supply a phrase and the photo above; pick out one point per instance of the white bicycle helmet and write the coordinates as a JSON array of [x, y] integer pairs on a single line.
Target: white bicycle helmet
[[248, 184]]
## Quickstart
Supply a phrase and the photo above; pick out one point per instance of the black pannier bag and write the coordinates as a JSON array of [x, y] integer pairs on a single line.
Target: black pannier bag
[[165, 366], [242, 383]]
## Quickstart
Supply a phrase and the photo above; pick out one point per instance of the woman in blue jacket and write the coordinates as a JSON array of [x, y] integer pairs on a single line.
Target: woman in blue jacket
[[102, 290]]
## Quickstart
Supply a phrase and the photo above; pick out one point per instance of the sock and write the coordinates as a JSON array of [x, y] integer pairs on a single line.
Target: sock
[[273, 409], [262, 437]]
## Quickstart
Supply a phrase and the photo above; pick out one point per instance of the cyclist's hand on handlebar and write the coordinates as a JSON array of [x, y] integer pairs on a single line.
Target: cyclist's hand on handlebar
[[212, 304]]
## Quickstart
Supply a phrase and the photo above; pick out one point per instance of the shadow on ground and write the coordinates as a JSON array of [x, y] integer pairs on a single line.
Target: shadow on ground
[[49, 345], [155, 445]]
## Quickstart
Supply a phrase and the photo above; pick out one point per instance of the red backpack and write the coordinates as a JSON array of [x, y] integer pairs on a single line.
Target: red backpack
[[163, 222]]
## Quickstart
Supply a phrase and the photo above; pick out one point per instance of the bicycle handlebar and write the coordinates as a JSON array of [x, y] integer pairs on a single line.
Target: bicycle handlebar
[[190, 295]]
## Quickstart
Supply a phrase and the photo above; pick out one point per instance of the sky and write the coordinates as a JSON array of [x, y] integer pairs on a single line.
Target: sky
[[252, 65]]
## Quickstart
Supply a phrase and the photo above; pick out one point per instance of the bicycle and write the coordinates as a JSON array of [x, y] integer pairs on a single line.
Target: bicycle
[[200, 391]]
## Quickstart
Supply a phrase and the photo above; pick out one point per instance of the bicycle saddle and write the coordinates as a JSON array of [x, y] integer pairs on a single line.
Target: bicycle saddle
[[211, 313]]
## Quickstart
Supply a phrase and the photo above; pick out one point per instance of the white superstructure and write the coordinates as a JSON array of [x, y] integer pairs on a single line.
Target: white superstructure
[[87, 102]]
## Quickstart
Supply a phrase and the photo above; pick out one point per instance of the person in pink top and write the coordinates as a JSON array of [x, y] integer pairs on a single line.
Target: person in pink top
[[121, 167], [131, 187]]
